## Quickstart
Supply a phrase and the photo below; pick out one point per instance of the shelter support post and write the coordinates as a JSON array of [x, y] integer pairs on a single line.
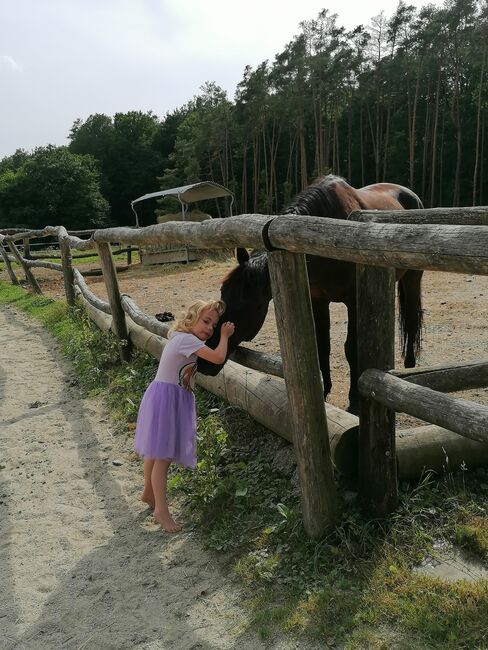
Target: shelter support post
[[376, 349], [289, 282], [113, 292]]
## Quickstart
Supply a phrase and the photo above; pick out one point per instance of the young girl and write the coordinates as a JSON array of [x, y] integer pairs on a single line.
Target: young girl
[[166, 423]]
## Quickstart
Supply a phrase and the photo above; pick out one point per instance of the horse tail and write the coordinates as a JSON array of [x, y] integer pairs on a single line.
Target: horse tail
[[410, 316]]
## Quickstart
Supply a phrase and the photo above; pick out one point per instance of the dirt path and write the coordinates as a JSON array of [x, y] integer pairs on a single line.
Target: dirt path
[[82, 565]]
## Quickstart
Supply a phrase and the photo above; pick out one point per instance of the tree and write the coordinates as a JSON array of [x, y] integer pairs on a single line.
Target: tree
[[53, 187]]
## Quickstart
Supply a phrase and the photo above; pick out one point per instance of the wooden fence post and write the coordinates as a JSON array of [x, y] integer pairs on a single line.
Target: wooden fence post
[[291, 295], [27, 254], [28, 273], [113, 292], [376, 349], [66, 261], [129, 255], [8, 266]]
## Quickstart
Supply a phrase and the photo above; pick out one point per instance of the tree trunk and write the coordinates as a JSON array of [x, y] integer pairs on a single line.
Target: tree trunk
[[478, 128], [434, 139]]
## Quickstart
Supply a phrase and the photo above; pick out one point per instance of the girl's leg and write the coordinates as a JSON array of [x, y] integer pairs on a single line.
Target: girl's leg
[[147, 494], [159, 480]]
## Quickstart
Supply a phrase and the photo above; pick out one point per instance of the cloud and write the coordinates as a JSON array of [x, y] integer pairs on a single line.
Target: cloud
[[10, 61]]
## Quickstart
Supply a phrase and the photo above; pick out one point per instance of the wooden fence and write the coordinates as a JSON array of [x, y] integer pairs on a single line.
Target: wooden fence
[[454, 239]]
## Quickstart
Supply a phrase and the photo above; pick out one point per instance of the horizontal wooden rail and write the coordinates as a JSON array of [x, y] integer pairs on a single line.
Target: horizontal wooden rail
[[53, 266], [144, 320], [459, 249], [473, 216], [459, 415], [94, 300], [80, 256], [270, 364], [53, 231], [447, 378], [243, 230], [430, 447], [75, 233]]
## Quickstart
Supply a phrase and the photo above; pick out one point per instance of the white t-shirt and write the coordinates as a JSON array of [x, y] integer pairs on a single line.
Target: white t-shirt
[[178, 363]]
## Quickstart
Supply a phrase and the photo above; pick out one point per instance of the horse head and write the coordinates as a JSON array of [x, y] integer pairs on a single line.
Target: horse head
[[246, 291]]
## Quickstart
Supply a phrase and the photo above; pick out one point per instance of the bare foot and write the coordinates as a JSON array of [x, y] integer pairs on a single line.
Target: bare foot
[[166, 521], [148, 497]]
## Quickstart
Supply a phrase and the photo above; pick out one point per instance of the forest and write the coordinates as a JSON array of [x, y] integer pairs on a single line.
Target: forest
[[404, 99]]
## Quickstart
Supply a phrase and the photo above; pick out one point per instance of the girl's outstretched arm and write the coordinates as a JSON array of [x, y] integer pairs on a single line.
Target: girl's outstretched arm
[[218, 355]]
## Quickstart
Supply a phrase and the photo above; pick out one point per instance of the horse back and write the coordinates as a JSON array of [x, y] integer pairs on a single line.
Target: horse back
[[388, 196]]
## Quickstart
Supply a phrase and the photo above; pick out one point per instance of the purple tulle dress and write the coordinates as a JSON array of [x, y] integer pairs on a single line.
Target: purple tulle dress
[[166, 423]]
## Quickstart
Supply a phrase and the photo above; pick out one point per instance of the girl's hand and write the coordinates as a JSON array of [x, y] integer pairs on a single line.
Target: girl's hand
[[227, 329]]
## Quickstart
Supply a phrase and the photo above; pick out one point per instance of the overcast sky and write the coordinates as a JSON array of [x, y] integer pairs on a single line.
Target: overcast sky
[[66, 59]]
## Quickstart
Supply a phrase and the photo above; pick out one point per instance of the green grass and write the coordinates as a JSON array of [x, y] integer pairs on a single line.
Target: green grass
[[355, 588]]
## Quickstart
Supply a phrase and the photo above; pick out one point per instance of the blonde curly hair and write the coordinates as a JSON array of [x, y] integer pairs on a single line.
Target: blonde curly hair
[[188, 319]]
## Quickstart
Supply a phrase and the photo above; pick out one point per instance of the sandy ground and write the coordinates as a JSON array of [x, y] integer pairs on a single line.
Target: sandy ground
[[82, 563]]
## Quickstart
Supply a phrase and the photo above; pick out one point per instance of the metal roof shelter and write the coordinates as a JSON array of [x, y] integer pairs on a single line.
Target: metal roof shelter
[[186, 194]]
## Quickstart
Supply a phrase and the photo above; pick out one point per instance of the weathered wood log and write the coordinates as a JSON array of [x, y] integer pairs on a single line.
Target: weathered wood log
[[79, 256], [430, 447], [8, 266], [447, 378], [263, 397], [29, 276], [150, 323], [113, 293], [74, 242], [52, 266], [213, 233], [424, 448], [462, 416], [89, 296], [270, 364], [473, 216], [376, 347], [294, 318], [97, 272], [460, 249]]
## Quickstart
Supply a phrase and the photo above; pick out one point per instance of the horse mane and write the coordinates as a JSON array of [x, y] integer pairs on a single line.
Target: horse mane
[[319, 199]]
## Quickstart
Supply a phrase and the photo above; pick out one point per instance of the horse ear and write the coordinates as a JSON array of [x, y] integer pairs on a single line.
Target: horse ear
[[242, 255]]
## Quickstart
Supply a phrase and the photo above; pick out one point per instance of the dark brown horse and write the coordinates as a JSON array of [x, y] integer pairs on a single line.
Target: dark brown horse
[[247, 289]]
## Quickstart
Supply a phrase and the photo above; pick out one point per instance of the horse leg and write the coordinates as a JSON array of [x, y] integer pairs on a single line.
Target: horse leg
[[351, 351], [321, 319], [410, 300]]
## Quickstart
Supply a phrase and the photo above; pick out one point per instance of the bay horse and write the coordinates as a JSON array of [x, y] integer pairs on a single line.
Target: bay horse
[[246, 290]]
